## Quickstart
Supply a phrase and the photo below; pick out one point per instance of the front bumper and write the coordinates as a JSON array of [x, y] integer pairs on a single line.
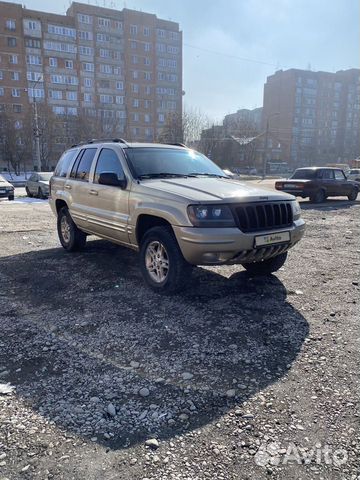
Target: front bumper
[[218, 246], [7, 194]]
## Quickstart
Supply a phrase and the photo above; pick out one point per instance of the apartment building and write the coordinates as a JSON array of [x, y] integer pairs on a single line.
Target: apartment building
[[315, 115], [122, 68], [242, 118]]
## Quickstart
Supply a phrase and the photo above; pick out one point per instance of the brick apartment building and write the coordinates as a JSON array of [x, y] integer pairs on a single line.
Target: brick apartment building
[[315, 115], [122, 67]]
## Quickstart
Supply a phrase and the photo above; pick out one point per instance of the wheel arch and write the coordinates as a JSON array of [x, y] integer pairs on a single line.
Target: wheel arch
[[146, 221]]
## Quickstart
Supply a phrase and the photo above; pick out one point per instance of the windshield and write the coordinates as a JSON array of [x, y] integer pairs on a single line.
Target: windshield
[[45, 176], [304, 174], [157, 162], [355, 172]]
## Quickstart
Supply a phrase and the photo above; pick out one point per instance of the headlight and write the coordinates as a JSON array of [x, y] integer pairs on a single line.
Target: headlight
[[211, 216], [296, 209]]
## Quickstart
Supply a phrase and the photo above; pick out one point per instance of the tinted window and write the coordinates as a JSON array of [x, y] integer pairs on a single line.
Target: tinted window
[[84, 165], [326, 174], [304, 174], [64, 163], [339, 175], [108, 162]]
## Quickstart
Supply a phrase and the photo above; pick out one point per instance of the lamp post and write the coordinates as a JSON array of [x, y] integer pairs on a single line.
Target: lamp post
[[265, 151], [37, 164]]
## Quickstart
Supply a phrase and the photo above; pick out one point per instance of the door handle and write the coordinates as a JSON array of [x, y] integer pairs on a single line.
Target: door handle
[[68, 187], [93, 192]]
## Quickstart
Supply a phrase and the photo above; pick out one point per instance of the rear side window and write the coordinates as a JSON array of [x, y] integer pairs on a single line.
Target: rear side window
[[64, 163], [339, 175], [326, 174], [82, 166], [108, 162]]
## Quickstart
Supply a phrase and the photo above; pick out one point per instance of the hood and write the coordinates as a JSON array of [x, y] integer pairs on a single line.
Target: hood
[[202, 189]]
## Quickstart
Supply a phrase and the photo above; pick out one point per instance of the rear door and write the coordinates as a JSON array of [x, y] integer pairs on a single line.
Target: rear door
[[327, 180], [343, 187], [108, 205], [78, 187]]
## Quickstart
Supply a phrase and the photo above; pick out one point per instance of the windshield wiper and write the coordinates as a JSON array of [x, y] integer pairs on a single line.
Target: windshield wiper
[[162, 175], [194, 174]]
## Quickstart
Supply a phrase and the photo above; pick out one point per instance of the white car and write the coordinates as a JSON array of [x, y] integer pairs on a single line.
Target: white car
[[354, 175], [38, 184], [6, 189]]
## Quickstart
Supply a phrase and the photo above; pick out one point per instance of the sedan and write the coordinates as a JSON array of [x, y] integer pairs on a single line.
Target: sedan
[[6, 189], [38, 184]]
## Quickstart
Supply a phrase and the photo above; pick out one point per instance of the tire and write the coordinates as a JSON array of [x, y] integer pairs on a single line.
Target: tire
[[41, 194], [266, 267], [10, 198], [28, 192], [159, 244], [353, 195], [70, 236], [318, 197]]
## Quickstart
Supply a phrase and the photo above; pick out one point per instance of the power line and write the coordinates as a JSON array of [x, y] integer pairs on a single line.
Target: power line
[[236, 57]]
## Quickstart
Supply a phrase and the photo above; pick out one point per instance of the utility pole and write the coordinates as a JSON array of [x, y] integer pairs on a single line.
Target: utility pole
[[37, 136]]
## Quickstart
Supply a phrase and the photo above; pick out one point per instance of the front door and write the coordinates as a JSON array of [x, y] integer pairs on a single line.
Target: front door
[[109, 209], [343, 187]]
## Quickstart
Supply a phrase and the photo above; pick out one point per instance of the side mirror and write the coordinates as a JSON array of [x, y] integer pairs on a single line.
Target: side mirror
[[111, 179]]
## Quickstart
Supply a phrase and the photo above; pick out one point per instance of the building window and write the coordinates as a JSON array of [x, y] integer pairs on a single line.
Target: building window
[[134, 88], [55, 94], [105, 68], [71, 110], [119, 85], [32, 25], [1, 75], [53, 62], [147, 47], [161, 118], [88, 67], [85, 50], [10, 24], [119, 100], [32, 43], [60, 30], [88, 82], [84, 18], [69, 64], [118, 25], [36, 93], [33, 60], [59, 110], [15, 76], [85, 35], [11, 41], [104, 53], [106, 99], [87, 97], [135, 117], [135, 74], [15, 92], [147, 75], [102, 37], [146, 31], [34, 76], [71, 95], [147, 61], [135, 103], [104, 22], [135, 59], [160, 33], [1, 92], [133, 29], [60, 47], [147, 118], [17, 108], [18, 124], [13, 59]]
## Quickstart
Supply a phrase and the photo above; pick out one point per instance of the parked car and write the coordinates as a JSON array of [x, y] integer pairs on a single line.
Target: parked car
[[6, 189], [38, 184], [318, 183], [354, 175], [173, 205]]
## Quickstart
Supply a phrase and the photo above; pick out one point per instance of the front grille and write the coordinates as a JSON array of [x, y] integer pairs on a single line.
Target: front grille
[[263, 216]]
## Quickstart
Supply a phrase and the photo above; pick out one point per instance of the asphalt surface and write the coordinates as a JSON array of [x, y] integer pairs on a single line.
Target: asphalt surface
[[235, 378]]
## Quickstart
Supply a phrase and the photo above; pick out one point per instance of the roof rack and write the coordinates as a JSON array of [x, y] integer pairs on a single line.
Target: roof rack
[[100, 140]]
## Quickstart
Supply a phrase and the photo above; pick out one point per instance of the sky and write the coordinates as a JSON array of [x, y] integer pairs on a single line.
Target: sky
[[231, 46]]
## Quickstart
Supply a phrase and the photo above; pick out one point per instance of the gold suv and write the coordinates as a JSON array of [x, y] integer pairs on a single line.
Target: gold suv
[[173, 205]]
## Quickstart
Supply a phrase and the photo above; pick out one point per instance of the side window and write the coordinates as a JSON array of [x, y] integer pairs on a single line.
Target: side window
[[108, 162], [83, 165], [64, 163], [339, 175], [327, 174], [32, 177]]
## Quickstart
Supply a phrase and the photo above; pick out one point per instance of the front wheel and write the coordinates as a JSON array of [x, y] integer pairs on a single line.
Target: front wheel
[[10, 197], [28, 192], [266, 267], [353, 195], [70, 236], [162, 264]]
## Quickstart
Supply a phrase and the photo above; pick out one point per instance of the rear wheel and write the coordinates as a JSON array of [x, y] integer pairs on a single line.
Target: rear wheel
[[353, 194], [318, 197], [266, 266], [28, 192], [70, 236], [11, 197], [162, 264]]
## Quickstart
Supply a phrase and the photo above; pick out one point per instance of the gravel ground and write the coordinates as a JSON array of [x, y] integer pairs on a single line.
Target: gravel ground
[[235, 378]]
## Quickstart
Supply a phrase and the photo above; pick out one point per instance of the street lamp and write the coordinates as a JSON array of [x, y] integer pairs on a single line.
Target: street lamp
[[265, 151]]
